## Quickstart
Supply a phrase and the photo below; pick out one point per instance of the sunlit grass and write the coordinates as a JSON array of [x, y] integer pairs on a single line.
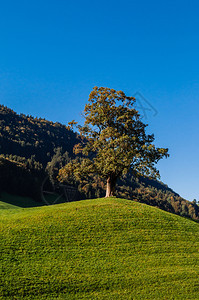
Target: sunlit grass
[[98, 249]]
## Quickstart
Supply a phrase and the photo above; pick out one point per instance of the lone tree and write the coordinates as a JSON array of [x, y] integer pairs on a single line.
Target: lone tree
[[113, 141]]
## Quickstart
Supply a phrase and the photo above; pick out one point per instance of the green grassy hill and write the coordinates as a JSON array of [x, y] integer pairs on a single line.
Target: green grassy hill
[[98, 249]]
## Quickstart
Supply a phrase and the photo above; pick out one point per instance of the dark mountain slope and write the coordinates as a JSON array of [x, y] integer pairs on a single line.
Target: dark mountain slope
[[26, 136]]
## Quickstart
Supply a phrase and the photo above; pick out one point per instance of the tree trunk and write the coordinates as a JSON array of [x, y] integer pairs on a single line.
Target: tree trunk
[[110, 188]]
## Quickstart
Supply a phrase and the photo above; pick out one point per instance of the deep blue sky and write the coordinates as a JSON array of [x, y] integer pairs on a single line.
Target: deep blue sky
[[52, 53]]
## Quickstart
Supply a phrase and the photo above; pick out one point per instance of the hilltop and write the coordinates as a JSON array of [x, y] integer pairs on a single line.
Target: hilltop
[[33, 148], [98, 249]]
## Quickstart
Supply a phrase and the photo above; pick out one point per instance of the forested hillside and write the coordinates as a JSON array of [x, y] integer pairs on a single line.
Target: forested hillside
[[33, 148], [28, 137]]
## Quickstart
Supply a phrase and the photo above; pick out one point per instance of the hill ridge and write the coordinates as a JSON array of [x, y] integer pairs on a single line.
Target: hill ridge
[[42, 147], [98, 249]]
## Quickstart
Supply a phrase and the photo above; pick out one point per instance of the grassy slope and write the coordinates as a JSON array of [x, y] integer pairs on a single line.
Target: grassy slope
[[8, 201], [98, 249]]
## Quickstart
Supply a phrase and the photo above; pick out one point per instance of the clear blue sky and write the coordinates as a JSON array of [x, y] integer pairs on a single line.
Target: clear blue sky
[[52, 53]]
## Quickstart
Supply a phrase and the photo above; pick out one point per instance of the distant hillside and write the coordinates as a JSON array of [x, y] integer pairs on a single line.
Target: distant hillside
[[26, 136], [33, 148], [98, 249]]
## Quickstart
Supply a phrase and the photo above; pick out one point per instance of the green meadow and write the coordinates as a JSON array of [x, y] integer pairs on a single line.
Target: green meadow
[[97, 249]]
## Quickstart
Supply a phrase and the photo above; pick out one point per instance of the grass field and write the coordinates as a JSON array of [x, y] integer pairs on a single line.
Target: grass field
[[97, 249], [8, 201]]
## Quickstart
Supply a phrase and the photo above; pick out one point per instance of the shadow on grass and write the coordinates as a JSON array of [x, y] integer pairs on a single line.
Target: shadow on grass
[[8, 201]]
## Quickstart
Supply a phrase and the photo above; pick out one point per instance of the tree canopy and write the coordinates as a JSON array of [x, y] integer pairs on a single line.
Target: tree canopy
[[113, 141]]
